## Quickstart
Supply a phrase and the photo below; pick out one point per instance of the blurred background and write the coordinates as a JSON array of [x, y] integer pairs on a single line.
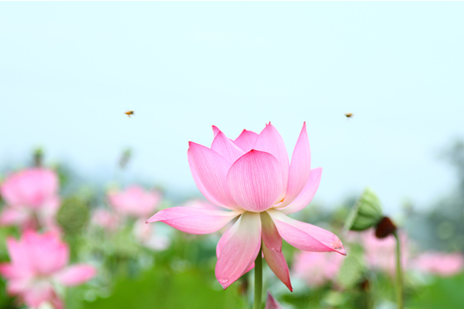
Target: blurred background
[[69, 72]]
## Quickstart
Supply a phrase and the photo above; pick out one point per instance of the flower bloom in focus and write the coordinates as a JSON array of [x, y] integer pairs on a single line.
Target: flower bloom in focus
[[37, 262], [442, 264], [135, 201], [253, 181], [316, 268], [380, 254], [31, 198]]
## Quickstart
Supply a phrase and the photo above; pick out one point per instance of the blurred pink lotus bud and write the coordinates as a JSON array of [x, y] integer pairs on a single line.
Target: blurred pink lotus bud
[[380, 254], [271, 303], [31, 198], [442, 264], [252, 181], [105, 219], [37, 262], [316, 268], [134, 201]]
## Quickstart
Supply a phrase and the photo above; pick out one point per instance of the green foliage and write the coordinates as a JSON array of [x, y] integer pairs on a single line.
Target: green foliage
[[73, 215], [443, 293], [6, 302], [367, 212], [5, 232], [350, 272], [163, 288]]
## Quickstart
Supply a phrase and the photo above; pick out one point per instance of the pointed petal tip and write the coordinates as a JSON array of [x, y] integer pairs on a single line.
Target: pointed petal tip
[[215, 130], [288, 285], [253, 151], [338, 247], [256, 151], [194, 144], [341, 251], [153, 218], [225, 285], [191, 143]]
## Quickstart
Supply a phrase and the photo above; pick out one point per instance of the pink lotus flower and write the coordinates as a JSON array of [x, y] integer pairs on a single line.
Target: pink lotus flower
[[380, 254], [31, 198], [252, 179], [135, 201], [315, 268], [442, 264], [37, 263]]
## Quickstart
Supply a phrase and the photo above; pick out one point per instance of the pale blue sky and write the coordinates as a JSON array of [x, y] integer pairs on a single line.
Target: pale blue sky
[[68, 72]]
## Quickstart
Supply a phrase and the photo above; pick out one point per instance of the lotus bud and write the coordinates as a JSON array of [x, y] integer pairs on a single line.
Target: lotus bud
[[385, 228], [366, 213]]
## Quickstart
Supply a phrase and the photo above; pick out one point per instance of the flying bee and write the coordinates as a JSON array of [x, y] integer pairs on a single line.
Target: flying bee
[[129, 113], [348, 115]]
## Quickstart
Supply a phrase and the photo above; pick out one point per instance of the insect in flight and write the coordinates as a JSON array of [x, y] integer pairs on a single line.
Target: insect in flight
[[348, 115], [129, 113]]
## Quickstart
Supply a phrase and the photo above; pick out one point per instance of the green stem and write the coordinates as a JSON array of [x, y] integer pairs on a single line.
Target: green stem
[[258, 281], [399, 273]]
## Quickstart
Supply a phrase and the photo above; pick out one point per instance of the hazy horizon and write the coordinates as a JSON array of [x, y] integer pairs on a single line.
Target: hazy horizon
[[68, 74]]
